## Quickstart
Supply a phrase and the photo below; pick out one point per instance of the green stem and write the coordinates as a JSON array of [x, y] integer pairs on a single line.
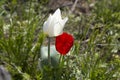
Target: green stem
[[49, 59], [60, 58]]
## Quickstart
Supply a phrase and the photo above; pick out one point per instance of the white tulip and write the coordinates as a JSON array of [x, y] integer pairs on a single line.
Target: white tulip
[[54, 24]]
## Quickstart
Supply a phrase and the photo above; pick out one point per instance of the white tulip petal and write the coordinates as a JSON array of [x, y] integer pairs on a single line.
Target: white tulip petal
[[57, 14], [51, 31], [49, 19], [64, 20], [45, 27], [62, 23], [50, 25], [58, 29], [46, 24]]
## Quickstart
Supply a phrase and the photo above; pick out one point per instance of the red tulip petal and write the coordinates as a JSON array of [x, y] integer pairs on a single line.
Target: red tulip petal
[[64, 43]]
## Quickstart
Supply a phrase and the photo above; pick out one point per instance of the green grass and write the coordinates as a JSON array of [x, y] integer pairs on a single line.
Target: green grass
[[94, 56]]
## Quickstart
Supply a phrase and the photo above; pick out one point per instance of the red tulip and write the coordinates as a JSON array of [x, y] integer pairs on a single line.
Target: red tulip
[[64, 42]]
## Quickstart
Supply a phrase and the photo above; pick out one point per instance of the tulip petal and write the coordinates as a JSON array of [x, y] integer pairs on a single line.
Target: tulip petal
[[57, 15], [46, 25], [63, 43], [58, 29], [54, 29], [64, 21]]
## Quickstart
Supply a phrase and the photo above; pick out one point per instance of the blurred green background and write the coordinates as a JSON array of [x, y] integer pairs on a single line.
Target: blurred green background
[[95, 25]]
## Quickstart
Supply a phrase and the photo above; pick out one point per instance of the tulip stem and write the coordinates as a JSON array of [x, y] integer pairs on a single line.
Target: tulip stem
[[49, 59], [60, 59]]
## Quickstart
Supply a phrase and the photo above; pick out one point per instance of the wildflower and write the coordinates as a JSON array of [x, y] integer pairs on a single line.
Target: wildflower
[[54, 24], [64, 42]]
